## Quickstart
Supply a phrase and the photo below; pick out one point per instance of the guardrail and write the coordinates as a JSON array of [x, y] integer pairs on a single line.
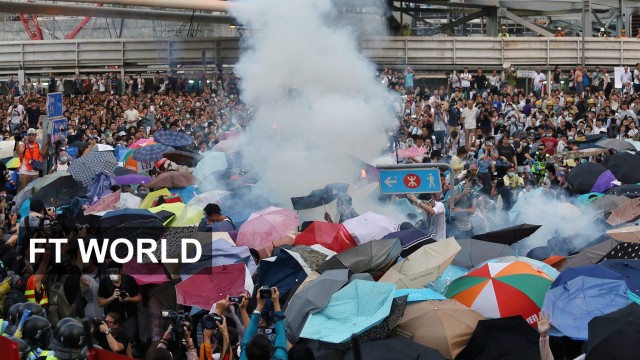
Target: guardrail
[[420, 52]]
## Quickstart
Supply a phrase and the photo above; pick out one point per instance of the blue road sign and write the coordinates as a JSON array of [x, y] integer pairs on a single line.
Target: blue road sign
[[54, 105], [405, 181]]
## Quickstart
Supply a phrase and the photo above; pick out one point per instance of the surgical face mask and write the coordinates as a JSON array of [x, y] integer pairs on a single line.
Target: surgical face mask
[[472, 154], [570, 118], [114, 277], [566, 113], [64, 159], [198, 103], [512, 174], [510, 141], [500, 122]]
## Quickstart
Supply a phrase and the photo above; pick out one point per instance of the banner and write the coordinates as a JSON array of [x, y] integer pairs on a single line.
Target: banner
[[99, 354], [9, 349]]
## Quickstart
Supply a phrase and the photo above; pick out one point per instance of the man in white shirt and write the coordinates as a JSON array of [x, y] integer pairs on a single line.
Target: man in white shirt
[[626, 76], [465, 83], [16, 115], [435, 215], [636, 79], [131, 116], [60, 84], [469, 116], [538, 78]]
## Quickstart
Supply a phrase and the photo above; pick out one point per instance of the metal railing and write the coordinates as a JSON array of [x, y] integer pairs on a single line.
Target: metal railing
[[420, 52]]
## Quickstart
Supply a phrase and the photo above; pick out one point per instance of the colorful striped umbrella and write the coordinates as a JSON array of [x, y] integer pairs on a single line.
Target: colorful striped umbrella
[[498, 290]]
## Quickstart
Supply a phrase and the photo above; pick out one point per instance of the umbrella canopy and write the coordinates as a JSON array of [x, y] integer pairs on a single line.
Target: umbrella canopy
[[319, 197], [172, 138], [616, 144], [117, 217], [102, 147], [105, 203], [502, 290], [13, 163], [449, 274], [212, 284], [211, 162], [172, 208], [540, 266], [608, 202], [142, 142], [84, 168], [625, 166], [145, 274], [411, 240], [56, 189], [6, 148], [151, 153], [373, 257], [284, 271], [417, 295], [209, 197], [120, 171], [186, 158], [584, 176], [590, 255], [423, 266], [508, 236], [475, 252], [451, 325], [227, 146], [370, 226], [171, 179], [625, 250], [267, 225], [615, 335], [239, 207], [626, 234], [399, 346], [332, 236], [506, 338], [355, 308], [572, 305], [632, 191], [312, 256], [221, 253], [127, 200], [594, 271], [628, 269], [605, 182], [151, 197], [629, 211], [133, 179]]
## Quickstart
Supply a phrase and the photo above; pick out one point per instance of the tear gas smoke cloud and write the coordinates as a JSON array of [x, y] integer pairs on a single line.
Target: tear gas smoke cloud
[[316, 97]]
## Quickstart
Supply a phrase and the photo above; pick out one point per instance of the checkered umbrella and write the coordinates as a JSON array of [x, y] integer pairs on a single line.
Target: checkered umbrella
[[151, 153], [172, 138], [84, 168]]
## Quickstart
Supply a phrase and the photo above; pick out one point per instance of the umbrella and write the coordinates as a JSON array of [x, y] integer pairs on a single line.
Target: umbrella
[[312, 298], [399, 346], [127, 200], [508, 236], [628, 269], [451, 325], [370, 226], [181, 157], [105, 203], [13, 163], [584, 176], [172, 208], [102, 147], [373, 257], [209, 197], [6, 148], [605, 182], [227, 146], [411, 240], [615, 335], [632, 191], [145, 274], [352, 310], [506, 338], [267, 225], [151, 153], [172, 138], [594, 271], [133, 179], [332, 236], [449, 274], [173, 179], [417, 295], [616, 144], [502, 289], [625, 250], [140, 143], [572, 305], [319, 197], [56, 189], [284, 271], [540, 266], [625, 167], [423, 266], [151, 197], [120, 171], [117, 217], [629, 211], [608, 202], [211, 162], [211, 284], [557, 261], [475, 252], [626, 234], [591, 254], [84, 168], [239, 207], [221, 253], [311, 255]]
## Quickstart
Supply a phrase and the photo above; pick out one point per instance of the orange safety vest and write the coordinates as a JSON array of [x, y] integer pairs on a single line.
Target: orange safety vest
[[30, 292], [30, 153]]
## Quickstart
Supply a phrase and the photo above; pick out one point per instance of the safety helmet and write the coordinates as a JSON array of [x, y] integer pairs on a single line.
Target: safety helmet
[[37, 332]]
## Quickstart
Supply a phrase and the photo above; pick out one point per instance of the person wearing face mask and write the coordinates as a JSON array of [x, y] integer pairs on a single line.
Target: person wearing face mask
[[142, 191], [63, 163], [119, 293]]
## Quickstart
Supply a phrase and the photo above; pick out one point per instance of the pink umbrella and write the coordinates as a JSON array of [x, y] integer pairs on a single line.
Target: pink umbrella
[[140, 143], [227, 146], [107, 202], [211, 284], [144, 274], [267, 225]]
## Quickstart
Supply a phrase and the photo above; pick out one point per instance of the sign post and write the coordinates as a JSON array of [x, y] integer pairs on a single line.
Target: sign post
[[415, 178], [54, 125]]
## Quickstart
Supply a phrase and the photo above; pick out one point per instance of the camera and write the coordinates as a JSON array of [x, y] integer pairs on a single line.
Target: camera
[[79, 227], [123, 294], [97, 322], [236, 299], [211, 321], [178, 319], [265, 292]]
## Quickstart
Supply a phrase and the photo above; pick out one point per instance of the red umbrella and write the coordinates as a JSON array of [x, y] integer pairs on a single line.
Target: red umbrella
[[148, 273], [211, 284], [332, 236]]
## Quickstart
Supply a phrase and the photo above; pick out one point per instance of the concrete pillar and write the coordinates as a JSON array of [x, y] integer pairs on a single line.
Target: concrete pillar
[[492, 22], [620, 18]]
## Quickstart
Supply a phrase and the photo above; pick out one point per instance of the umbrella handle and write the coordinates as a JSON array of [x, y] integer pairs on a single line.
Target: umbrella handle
[[357, 351]]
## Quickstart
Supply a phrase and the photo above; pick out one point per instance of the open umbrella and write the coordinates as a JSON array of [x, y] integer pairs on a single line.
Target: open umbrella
[[508, 236], [626, 234], [417, 295], [127, 200], [151, 198], [502, 289], [572, 305], [625, 166], [172, 138], [173, 179], [628, 269], [151, 153], [145, 274], [423, 266], [616, 144], [284, 271], [506, 338], [84, 168], [140, 143], [615, 335], [105, 203], [605, 182], [227, 146], [584, 176], [117, 217], [625, 250], [13, 163], [186, 158], [399, 346], [370, 226], [172, 208], [120, 171], [475, 252], [374, 257], [629, 211], [319, 197], [352, 310], [540, 266], [332, 236], [608, 203], [451, 325], [220, 252], [411, 240], [133, 179], [211, 284], [267, 225], [211, 162], [56, 189]]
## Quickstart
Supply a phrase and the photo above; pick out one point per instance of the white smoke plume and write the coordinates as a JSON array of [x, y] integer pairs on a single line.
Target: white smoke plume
[[316, 97]]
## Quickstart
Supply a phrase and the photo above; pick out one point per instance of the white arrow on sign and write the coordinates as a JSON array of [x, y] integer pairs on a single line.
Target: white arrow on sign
[[389, 181]]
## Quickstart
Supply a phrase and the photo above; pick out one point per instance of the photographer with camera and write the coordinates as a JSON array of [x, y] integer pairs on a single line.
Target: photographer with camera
[[464, 208], [119, 293], [178, 332], [109, 335], [257, 346], [214, 324]]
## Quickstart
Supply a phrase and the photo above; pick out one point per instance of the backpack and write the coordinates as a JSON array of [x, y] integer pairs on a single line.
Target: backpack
[[59, 305]]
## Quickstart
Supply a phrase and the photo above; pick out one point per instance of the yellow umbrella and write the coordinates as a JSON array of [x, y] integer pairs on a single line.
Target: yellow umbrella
[[13, 163], [174, 208], [190, 215], [151, 197]]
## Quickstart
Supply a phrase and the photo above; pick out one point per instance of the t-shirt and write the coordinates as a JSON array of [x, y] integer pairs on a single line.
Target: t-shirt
[[437, 223], [15, 113], [131, 117], [124, 309], [465, 80], [470, 117], [33, 115], [537, 80], [550, 144], [101, 339], [408, 80], [506, 151], [462, 220]]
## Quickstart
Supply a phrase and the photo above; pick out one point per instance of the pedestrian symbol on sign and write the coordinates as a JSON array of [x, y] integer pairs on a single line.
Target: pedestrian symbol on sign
[[412, 181]]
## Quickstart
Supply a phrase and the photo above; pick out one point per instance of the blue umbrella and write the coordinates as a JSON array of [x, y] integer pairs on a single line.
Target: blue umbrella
[[593, 271], [423, 294], [572, 305], [355, 308], [628, 269], [172, 138], [211, 162], [449, 274], [151, 153], [411, 240], [186, 193], [285, 272], [222, 253]]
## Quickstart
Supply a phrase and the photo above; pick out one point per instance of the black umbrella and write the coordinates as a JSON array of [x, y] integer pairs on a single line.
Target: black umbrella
[[411, 240], [630, 191], [319, 197], [181, 157], [508, 236], [475, 252], [625, 167], [625, 250], [120, 171], [583, 176], [505, 338], [615, 335], [374, 257], [57, 191], [397, 347]]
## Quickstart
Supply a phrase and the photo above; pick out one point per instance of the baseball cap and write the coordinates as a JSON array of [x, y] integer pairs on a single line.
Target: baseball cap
[[31, 131]]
